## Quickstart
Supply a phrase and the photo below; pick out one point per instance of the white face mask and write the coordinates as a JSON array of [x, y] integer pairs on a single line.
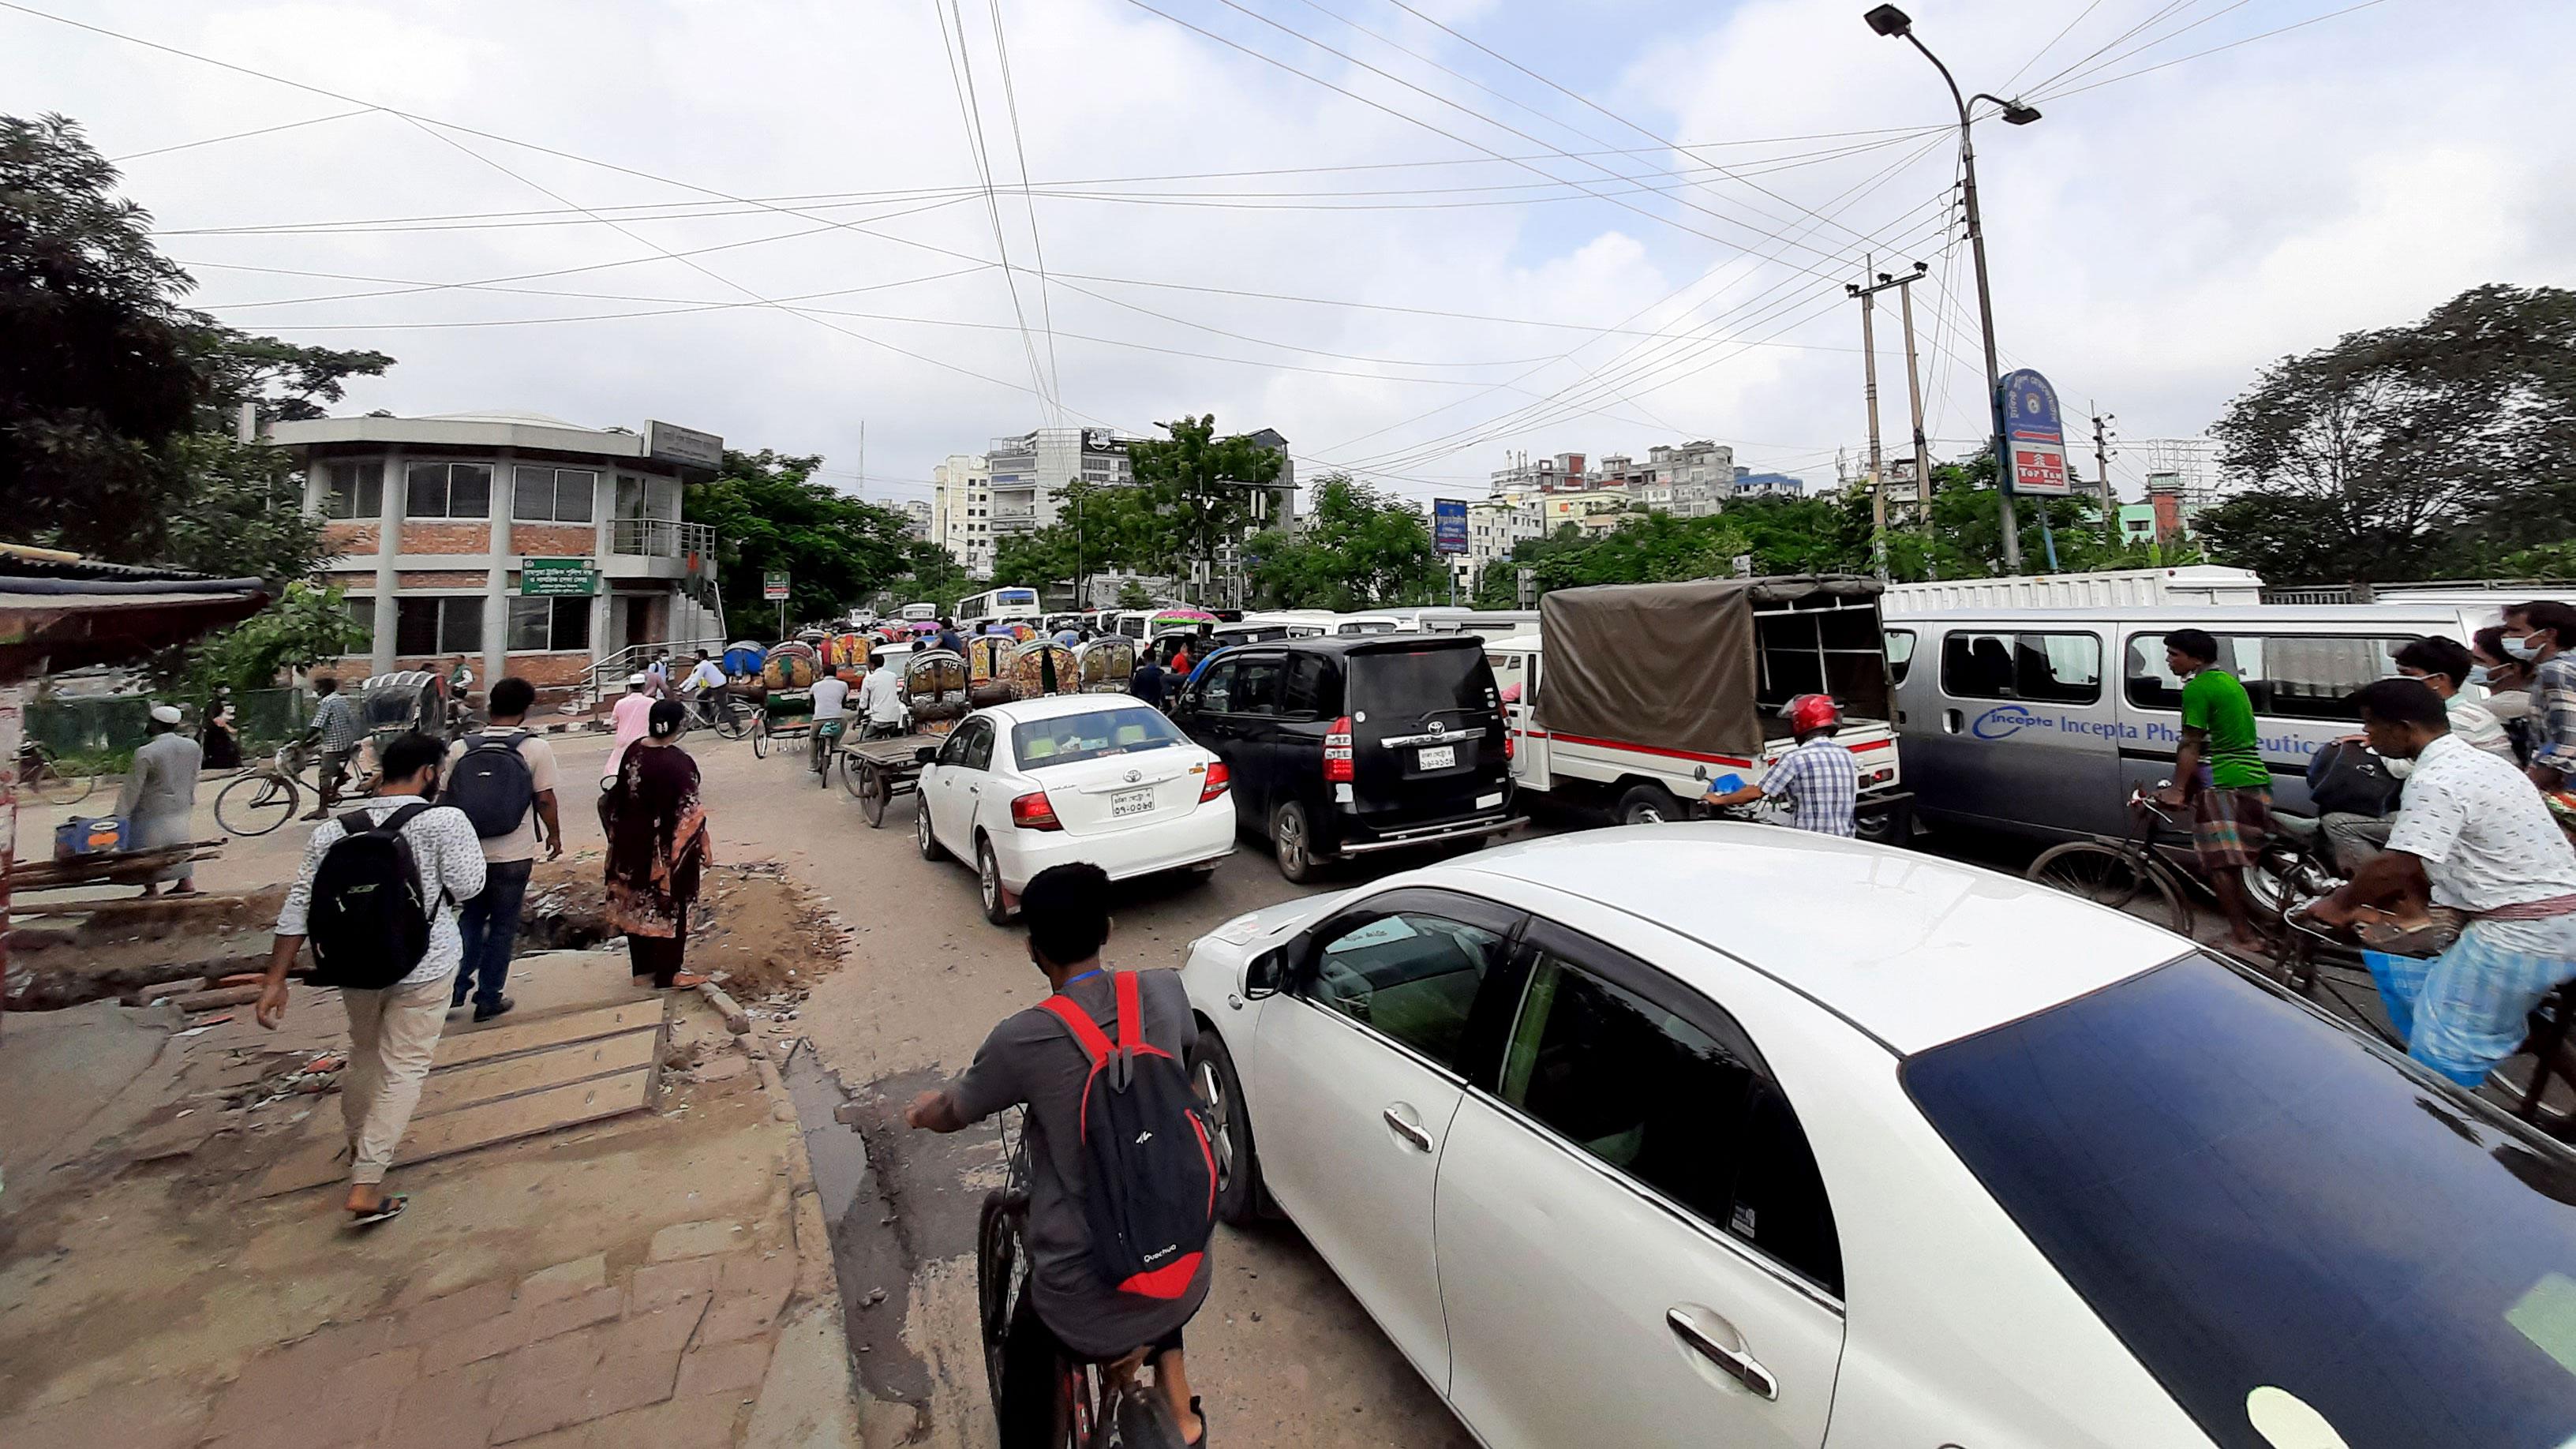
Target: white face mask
[[2525, 648], [2480, 674], [2398, 769]]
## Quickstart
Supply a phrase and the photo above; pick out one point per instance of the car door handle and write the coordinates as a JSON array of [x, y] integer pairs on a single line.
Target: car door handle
[[1735, 1363], [1408, 1129], [1951, 720]]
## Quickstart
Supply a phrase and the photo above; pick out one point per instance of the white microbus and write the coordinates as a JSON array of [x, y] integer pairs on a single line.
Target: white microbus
[[919, 613], [1000, 606]]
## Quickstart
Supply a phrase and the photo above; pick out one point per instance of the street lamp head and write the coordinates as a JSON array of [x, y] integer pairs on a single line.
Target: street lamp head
[[2017, 114], [1888, 20]]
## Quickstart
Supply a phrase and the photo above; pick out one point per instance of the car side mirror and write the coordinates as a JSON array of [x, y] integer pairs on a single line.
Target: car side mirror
[[1267, 974], [926, 755]]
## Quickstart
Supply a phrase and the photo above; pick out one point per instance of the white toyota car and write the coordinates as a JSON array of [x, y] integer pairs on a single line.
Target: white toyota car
[[1729, 1135], [1091, 777]]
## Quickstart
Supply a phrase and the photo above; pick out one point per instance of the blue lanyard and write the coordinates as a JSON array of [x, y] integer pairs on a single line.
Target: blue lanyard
[[1085, 976]]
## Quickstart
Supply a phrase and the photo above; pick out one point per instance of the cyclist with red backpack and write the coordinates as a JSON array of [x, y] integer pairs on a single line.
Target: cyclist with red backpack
[[1123, 1179]]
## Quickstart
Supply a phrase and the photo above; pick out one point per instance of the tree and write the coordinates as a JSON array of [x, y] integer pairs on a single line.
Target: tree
[[1359, 548], [306, 625], [1132, 595], [1200, 485], [770, 512], [2408, 451]]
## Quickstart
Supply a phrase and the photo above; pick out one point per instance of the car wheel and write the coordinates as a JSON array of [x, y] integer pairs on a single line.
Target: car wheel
[[922, 835], [988, 881], [1647, 805], [1292, 841], [1238, 1171]]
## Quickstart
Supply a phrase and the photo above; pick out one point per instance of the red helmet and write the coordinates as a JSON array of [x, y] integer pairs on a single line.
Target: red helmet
[[1810, 712]]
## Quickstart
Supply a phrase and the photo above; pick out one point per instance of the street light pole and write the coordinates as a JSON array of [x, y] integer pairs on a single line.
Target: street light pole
[[1889, 20]]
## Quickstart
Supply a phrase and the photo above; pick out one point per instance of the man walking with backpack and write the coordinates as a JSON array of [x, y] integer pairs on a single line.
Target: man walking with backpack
[[503, 778], [377, 895], [1120, 1214]]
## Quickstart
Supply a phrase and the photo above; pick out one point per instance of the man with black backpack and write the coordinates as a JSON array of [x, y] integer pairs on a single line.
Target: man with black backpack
[[503, 778], [377, 896], [1122, 1177]]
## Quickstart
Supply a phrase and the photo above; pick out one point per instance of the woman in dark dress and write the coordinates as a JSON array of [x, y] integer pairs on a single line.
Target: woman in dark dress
[[657, 846]]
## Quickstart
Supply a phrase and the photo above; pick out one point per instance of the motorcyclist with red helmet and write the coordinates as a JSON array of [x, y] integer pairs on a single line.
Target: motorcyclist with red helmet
[[1819, 779]]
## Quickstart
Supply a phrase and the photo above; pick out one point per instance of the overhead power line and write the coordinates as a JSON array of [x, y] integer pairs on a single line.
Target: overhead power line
[[242, 135]]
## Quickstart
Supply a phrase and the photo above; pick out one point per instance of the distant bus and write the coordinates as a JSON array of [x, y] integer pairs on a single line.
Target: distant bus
[[1000, 606], [919, 613]]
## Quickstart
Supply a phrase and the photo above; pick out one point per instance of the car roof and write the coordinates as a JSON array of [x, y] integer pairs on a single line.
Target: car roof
[[1911, 949], [1055, 706], [1365, 643]]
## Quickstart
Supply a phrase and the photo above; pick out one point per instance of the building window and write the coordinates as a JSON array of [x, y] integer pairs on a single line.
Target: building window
[[436, 625], [354, 490], [557, 624], [553, 495], [448, 490], [362, 613]]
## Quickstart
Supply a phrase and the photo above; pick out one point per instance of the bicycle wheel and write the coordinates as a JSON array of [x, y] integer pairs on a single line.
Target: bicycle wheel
[[256, 804], [760, 738], [733, 721], [47, 781], [2112, 876]]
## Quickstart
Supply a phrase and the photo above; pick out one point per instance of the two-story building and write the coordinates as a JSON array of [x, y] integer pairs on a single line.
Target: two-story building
[[525, 544]]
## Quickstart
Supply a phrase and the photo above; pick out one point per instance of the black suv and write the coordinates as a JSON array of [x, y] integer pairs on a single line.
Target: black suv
[[1348, 744]]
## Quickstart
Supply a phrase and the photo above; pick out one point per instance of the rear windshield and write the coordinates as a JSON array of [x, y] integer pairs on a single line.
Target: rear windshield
[[1414, 682], [1076, 737], [2259, 1203]]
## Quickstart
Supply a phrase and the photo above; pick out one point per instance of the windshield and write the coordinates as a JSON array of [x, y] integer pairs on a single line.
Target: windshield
[[1072, 738], [1411, 683], [2256, 1200]]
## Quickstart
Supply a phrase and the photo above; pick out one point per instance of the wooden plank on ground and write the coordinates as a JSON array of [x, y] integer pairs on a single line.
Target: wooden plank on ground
[[454, 1087], [477, 1046], [481, 1125]]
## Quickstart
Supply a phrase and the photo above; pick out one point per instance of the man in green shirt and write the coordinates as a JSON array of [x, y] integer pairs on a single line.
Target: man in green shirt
[[2219, 771]]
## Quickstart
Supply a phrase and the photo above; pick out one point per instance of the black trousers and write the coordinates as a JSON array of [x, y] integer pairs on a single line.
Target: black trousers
[[659, 956]]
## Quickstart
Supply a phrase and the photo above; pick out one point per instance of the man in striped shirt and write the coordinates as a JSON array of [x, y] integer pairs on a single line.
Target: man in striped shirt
[[338, 727], [1819, 779]]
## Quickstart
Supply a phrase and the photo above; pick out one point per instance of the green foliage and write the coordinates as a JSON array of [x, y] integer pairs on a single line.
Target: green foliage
[[1194, 492], [770, 512], [1132, 595], [2408, 452], [245, 514], [1359, 548], [305, 626]]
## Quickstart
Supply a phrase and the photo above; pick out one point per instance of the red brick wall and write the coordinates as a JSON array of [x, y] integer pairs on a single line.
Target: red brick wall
[[553, 540], [349, 537], [466, 537], [441, 579], [551, 671]]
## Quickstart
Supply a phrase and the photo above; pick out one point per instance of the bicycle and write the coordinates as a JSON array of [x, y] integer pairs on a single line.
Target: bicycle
[[721, 712], [266, 796], [41, 774], [1042, 1395]]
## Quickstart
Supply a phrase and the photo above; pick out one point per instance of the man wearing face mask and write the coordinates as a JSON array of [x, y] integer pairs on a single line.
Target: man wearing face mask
[[2508, 686], [2537, 634], [2468, 838]]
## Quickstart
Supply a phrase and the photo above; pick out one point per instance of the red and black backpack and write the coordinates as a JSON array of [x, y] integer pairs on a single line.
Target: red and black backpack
[[1145, 1134]]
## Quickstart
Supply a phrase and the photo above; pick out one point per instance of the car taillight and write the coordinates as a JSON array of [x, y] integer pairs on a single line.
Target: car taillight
[[1337, 753], [1034, 811], [1215, 783]]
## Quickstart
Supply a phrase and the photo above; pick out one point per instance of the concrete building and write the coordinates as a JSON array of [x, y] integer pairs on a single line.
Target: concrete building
[[1555, 510], [961, 511], [1494, 526], [1749, 484], [1698, 461], [1030, 472], [527, 544], [916, 519], [1541, 475]]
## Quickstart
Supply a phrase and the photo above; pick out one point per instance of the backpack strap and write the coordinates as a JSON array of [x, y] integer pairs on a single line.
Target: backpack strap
[[1131, 1022], [1086, 1032]]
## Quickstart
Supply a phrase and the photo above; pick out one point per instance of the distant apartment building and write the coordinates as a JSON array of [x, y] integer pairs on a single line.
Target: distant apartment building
[[1029, 473], [1559, 509], [961, 511], [916, 519], [1772, 485], [1494, 526], [1561, 473], [526, 544]]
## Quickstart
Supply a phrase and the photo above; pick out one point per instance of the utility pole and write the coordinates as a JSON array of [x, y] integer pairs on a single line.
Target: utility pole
[[2102, 451], [1914, 391]]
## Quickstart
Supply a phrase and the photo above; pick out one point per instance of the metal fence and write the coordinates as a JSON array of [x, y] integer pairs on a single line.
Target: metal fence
[[110, 727]]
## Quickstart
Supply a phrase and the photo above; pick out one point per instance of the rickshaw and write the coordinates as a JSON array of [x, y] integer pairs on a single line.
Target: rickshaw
[[988, 670], [1042, 667], [1104, 664], [936, 690], [787, 695]]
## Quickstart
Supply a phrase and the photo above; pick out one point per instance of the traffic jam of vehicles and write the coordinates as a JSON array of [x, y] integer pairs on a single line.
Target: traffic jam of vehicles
[[1805, 1126]]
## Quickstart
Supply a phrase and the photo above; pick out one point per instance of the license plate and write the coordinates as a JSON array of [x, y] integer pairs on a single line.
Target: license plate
[[1131, 802], [1438, 757]]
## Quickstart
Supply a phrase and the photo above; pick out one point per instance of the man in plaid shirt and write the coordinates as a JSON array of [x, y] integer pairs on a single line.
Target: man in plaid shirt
[[1819, 779], [2539, 635], [337, 724]]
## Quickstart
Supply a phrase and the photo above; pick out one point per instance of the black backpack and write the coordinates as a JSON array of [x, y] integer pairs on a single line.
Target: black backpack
[[1145, 1135], [492, 784], [368, 923]]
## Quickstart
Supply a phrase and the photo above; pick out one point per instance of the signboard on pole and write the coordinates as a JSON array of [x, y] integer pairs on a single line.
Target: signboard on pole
[[557, 578], [773, 586], [1449, 525], [2035, 436]]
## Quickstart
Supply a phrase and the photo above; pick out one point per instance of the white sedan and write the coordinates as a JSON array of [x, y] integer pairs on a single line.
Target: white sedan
[[1090, 777], [1718, 1134]]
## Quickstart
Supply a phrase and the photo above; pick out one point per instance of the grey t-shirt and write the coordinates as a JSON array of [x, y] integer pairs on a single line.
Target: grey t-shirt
[[1032, 1060]]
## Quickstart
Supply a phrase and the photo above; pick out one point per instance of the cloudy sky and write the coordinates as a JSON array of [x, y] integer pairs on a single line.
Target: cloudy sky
[[1411, 236]]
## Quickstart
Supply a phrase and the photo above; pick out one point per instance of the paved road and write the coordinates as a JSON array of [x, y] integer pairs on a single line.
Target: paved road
[[1281, 1353]]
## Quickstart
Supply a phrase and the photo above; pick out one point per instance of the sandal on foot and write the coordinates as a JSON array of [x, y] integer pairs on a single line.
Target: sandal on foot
[[387, 1210]]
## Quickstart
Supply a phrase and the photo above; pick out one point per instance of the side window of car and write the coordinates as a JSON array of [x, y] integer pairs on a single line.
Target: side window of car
[[1900, 654], [1256, 684], [954, 752], [1307, 692], [1678, 1101], [2052, 668], [1216, 687], [1412, 975]]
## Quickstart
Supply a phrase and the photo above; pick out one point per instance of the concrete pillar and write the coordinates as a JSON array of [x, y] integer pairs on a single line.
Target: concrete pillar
[[388, 547], [603, 511], [496, 584]]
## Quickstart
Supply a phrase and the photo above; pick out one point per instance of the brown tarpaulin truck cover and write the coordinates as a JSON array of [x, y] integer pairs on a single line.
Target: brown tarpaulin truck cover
[[1670, 664]]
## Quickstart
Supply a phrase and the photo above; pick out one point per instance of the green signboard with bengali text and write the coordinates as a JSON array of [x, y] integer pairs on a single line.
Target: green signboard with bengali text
[[556, 578]]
